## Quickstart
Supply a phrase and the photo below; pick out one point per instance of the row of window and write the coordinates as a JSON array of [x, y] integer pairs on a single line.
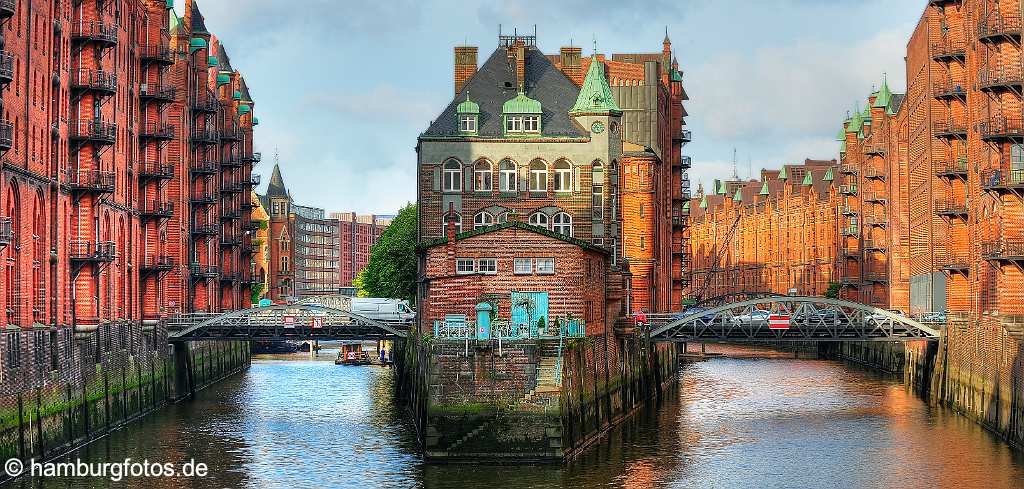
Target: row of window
[[520, 266], [559, 223], [508, 180], [468, 123]]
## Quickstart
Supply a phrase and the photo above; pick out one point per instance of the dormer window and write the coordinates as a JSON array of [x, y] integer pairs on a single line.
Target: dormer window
[[522, 115], [467, 123], [469, 115]]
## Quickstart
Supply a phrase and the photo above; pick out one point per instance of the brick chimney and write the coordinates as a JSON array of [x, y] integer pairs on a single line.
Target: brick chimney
[[571, 64], [449, 219], [465, 65], [516, 57]]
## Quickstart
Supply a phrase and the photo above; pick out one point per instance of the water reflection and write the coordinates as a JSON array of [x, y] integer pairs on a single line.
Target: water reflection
[[745, 422]]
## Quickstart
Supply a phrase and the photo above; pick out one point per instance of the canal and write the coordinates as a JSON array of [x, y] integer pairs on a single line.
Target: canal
[[767, 421]]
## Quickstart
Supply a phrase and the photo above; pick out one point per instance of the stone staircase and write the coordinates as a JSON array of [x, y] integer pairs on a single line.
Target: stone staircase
[[469, 435], [548, 380]]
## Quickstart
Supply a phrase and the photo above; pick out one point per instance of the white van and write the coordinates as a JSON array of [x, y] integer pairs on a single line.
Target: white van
[[394, 310]]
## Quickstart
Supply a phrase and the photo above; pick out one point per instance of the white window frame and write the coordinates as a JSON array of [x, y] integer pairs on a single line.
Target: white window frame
[[563, 176], [487, 266], [502, 218], [536, 217], [513, 123], [597, 201], [461, 265], [451, 176], [482, 219], [545, 266], [483, 176], [508, 178], [522, 266], [467, 123], [458, 223], [531, 123], [564, 225], [538, 183]]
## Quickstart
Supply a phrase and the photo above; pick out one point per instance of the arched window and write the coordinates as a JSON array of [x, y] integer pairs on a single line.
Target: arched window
[[11, 269], [539, 219], [482, 218], [508, 181], [563, 176], [482, 172], [503, 218], [452, 176], [458, 223], [562, 224], [538, 176], [597, 190]]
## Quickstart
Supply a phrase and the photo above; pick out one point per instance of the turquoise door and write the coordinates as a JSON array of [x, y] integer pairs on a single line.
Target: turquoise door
[[528, 308]]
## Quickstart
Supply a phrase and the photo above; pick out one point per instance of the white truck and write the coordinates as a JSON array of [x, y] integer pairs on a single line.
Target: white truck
[[390, 310]]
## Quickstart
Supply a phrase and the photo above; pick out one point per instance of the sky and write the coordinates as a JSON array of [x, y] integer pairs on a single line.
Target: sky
[[343, 88]]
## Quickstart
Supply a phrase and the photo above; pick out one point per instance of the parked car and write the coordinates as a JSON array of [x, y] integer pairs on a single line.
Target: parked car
[[881, 317], [932, 317], [755, 316], [694, 310], [381, 309]]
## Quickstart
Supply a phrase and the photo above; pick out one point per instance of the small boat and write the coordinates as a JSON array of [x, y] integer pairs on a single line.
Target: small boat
[[352, 355]]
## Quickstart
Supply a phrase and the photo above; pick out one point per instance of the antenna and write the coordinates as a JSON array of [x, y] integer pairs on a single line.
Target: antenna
[[735, 175], [750, 171], [595, 43], [275, 155]]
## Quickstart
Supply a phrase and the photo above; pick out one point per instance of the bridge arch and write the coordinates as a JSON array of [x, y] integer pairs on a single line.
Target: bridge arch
[[309, 321], [811, 319]]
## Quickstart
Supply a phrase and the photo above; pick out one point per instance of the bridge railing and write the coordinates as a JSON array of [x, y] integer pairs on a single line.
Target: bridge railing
[[458, 329]]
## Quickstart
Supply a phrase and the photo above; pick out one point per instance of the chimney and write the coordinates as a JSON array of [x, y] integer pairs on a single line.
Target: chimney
[[449, 219], [465, 65], [516, 56], [571, 64]]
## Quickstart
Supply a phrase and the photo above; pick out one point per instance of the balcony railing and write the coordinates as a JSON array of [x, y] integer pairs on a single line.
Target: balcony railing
[[100, 81], [250, 225], [849, 210], [876, 276], [252, 157], [948, 50], [203, 199], [204, 229], [1003, 250], [875, 149], [99, 32], [949, 129], [952, 169], [88, 251], [203, 271], [94, 131], [874, 245], [458, 328], [850, 253], [157, 263], [231, 162], [873, 173], [994, 26], [848, 169], [6, 231], [954, 262], [951, 209], [156, 130], [1001, 180], [6, 135], [157, 53], [685, 162], [204, 167], [850, 189], [874, 197], [6, 67], [230, 240], [155, 91], [204, 136], [948, 89], [1001, 76], [254, 180], [228, 276], [153, 169], [683, 135], [205, 102], [91, 181], [850, 231], [157, 209], [875, 221], [997, 128], [232, 187], [231, 133]]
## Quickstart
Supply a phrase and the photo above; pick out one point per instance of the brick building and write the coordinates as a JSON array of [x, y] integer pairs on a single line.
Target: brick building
[[106, 226], [358, 233], [585, 147]]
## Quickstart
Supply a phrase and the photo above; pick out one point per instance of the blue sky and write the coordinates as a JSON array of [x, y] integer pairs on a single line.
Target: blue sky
[[343, 88]]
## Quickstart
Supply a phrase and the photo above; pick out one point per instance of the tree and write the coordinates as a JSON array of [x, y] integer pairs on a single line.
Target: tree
[[833, 290], [391, 270]]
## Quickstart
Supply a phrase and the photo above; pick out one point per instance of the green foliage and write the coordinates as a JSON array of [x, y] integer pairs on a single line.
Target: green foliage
[[833, 290], [391, 270], [257, 292]]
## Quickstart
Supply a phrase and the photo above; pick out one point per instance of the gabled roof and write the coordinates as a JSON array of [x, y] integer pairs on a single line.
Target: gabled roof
[[242, 87], [595, 94], [495, 83], [222, 57], [518, 225], [276, 186], [198, 22]]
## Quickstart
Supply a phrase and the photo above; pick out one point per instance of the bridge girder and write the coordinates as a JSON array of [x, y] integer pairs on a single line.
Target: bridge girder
[[308, 322], [815, 319]]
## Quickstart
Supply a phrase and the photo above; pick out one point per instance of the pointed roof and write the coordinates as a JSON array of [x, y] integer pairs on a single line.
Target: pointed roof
[[842, 135], [856, 121], [704, 202], [666, 40], [764, 189], [738, 196], [828, 175], [783, 175], [244, 89], [719, 187], [198, 22], [276, 186], [595, 94], [222, 57], [884, 95], [808, 180]]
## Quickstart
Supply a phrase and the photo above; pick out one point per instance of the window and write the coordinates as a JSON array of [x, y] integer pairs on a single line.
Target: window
[[1016, 163], [563, 176], [531, 123], [457, 218], [538, 176], [482, 218], [39, 348], [13, 350], [562, 224], [487, 266], [641, 209], [523, 266], [503, 217], [467, 122], [482, 176], [464, 266], [545, 266], [452, 176], [514, 123], [641, 242], [597, 202], [539, 219], [507, 179], [284, 263]]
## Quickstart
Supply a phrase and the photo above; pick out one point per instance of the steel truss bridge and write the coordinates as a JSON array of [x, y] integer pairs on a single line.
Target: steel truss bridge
[[814, 319], [304, 321]]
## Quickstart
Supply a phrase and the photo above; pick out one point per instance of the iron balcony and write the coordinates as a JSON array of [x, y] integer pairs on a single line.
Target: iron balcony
[[231, 162], [157, 210], [250, 225], [203, 199], [1011, 250], [230, 240], [156, 130], [948, 89], [204, 136], [851, 253], [91, 181], [875, 149], [199, 270], [98, 81], [848, 169], [247, 205], [872, 173], [849, 210], [232, 133], [230, 215], [88, 251], [849, 281], [6, 135], [873, 221], [6, 67], [850, 189], [993, 27], [254, 180], [252, 157], [949, 129], [7, 8], [157, 263], [232, 187], [1001, 77], [850, 231], [1001, 128], [160, 171], [951, 209], [205, 229], [683, 135], [94, 131], [952, 169], [685, 162], [157, 53], [874, 245], [229, 277], [954, 262], [874, 197], [205, 102], [160, 93], [6, 231], [945, 50], [93, 31], [1003, 181], [873, 276], [204, 168]]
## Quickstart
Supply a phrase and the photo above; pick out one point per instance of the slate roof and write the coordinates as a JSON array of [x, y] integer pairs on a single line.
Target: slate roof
[[495, 83], [242, 87], [198, 22], [223, 59], [897, 101], [276, 186]]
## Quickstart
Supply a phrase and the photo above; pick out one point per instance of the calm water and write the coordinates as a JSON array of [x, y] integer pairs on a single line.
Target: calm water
[[293, 422]]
